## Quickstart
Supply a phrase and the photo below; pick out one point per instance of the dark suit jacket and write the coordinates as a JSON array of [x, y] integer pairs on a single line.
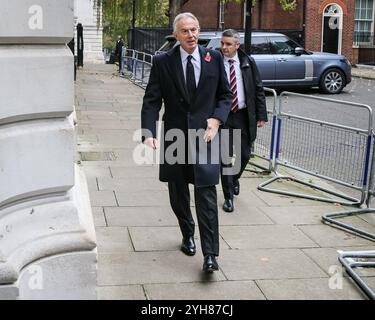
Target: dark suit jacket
[[212, 100], [119, 46], [254, 93]]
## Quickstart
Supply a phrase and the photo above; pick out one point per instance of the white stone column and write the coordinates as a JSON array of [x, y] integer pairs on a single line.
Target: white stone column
[[47, 236]]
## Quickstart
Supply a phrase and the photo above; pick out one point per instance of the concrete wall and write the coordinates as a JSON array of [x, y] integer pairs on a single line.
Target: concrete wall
[[47, 236]]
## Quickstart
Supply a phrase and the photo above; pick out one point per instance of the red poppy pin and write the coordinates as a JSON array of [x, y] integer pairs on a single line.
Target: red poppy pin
[[207, 57]]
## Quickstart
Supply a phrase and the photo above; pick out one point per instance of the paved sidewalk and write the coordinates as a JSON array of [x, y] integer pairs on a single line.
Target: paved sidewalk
[[364, 71], [272, 246]]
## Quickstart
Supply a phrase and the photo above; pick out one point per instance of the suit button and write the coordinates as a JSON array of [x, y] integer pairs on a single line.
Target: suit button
[[181, 100]]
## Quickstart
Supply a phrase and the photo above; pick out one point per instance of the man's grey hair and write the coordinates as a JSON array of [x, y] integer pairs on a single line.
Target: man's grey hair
[[182, 16], [231, 33]]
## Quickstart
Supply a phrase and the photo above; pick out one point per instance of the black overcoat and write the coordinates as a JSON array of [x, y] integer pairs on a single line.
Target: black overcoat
[[213, 99], [254, 93]]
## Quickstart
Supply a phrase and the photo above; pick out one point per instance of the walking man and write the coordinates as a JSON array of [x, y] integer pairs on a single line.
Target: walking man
[[118, 52], [248, 110], [191, 81]]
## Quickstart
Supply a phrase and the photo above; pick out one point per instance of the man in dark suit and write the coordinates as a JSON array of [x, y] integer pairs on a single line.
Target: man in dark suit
[[192, 82], [248, 111], [118, 52]]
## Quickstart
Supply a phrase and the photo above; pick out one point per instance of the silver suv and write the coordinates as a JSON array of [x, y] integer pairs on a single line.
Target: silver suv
[[284, 63]]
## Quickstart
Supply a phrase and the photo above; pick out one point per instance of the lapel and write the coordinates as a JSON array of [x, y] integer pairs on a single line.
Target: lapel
[[202, 51], [177, 72]]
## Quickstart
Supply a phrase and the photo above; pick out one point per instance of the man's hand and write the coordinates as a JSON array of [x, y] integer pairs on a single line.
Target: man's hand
[[261, 124], [212, 129], [152, 143]]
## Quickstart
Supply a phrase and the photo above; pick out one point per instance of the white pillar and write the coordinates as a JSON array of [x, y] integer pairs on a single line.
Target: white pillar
[[47, 236], [86, 13]]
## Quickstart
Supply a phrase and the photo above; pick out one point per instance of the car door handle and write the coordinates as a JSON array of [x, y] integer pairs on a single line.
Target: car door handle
[[282, 59]]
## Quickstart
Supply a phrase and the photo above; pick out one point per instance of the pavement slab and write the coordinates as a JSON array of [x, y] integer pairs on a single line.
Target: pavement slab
[[99, 217], [113, 240], [151, 267], [263, 237], [132, 292], [123, 185], [162, 239], [309, 289], [243, 217], [136, 172], [327, 236], [140, 216], [327, 259], [221, 290], [300, 215], [103, 199], [268, 264], [136, 199]]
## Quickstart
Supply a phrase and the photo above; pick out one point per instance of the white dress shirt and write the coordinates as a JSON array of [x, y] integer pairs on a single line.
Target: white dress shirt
[[240, 87], [196, 61]]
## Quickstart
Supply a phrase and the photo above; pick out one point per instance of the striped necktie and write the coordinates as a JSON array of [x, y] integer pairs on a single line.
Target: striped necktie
[[233, 85]]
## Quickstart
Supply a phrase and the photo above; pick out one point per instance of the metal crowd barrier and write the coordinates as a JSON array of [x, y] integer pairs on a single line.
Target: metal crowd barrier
[[331, 217], [136, 66], [321, 149], [263, 145], [348, 262], [347, 258]]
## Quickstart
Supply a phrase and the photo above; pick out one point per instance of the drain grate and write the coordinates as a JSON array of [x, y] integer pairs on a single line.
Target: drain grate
[[98, 156]]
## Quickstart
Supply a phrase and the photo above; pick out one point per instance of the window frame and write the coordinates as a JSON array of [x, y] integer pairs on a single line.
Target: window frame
[[358, 21]]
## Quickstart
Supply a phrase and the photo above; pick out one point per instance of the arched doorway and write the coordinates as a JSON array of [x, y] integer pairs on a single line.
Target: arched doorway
[[332, 28]]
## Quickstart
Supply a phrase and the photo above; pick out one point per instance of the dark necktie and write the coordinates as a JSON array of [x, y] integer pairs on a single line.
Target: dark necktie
[[233, 85], [190, 78]]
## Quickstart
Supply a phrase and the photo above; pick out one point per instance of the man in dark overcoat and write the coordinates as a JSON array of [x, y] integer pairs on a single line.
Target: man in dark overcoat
[[118, 52], [192, 83]]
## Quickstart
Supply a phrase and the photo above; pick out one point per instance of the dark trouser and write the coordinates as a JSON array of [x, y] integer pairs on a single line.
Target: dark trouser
[[207, 214], [119, 63], [238, 120]]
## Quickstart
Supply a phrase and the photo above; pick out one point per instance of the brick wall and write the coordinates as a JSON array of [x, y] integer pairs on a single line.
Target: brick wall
[[234, 16], [274, 18], [206, 11], [271, 17]]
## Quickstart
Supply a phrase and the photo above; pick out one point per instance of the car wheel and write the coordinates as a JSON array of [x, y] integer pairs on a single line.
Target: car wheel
[[332, 81]]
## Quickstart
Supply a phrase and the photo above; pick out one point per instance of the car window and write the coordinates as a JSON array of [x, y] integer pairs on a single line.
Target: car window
[[169, 44], [259, 45], [214, 44], [282, 45], [203, 42]]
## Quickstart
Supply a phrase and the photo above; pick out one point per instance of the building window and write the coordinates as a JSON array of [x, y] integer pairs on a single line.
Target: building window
[[364, 20], [221, 15]]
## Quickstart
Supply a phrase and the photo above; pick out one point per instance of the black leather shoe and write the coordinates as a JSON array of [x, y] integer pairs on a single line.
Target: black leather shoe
[[188, 246], [228, 205], [236, 188], [210, 264]]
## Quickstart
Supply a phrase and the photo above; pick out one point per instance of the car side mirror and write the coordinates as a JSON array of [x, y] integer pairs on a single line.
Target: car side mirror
[[299, 51]]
